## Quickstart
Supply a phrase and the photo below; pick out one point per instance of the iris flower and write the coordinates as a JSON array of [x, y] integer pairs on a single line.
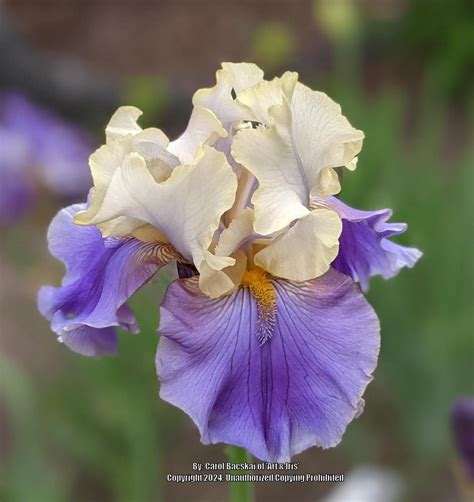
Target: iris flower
[[267, 342], [37, 148]]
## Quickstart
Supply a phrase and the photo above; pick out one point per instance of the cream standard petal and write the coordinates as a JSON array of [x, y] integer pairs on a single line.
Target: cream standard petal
[[305, 250], [123, 226], [216, 283], [125, 136], [204, 128], [243, 75], [219, 99], [150, 143], [295, 156], [323, 137], [237, 233], [119, 227], [186, 208], [269, 156], [260, 98], [103, 163], [123, 122]]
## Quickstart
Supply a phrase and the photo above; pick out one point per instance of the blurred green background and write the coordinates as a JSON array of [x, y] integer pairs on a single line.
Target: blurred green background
[[77, 429]]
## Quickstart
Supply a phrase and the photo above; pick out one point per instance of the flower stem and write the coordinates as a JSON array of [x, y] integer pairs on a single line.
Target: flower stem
[[240, 491]]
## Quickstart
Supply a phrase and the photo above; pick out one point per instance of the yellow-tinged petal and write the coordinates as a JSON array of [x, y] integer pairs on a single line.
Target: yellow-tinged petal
[[216, 283], [219, 99], [103, 164], [186, 208], [106, 159], [204, 128], [232, 237], [305, 250], [123, 226], [243, 75], [119, 227], [150, 143], [260, 98], [323, 137], [281, 195], [125, 136], [215, 280], [352, 164], [329, 183], [123, 122], [295, 157], [149, 233]]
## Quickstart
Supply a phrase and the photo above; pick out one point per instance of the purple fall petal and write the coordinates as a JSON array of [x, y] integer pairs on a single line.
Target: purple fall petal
[[301, 388], [101, 276], [364, 246], [91, 342]]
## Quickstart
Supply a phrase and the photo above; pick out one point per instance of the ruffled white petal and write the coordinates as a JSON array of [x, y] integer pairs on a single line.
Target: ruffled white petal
[[239, 231], [323, 137], [123, 226], [232, 77], [204, 128], [216, 283], [123, 122], [260, 98], [125, 136], [103, 163], [119, 227], [281, 195], [295, 157], [243, 75], [150, 143], [219, 99], [305, 250], [186, 208]]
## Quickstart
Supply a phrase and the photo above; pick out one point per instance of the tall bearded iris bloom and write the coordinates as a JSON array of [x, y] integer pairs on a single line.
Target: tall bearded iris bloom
[[266, 340]]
